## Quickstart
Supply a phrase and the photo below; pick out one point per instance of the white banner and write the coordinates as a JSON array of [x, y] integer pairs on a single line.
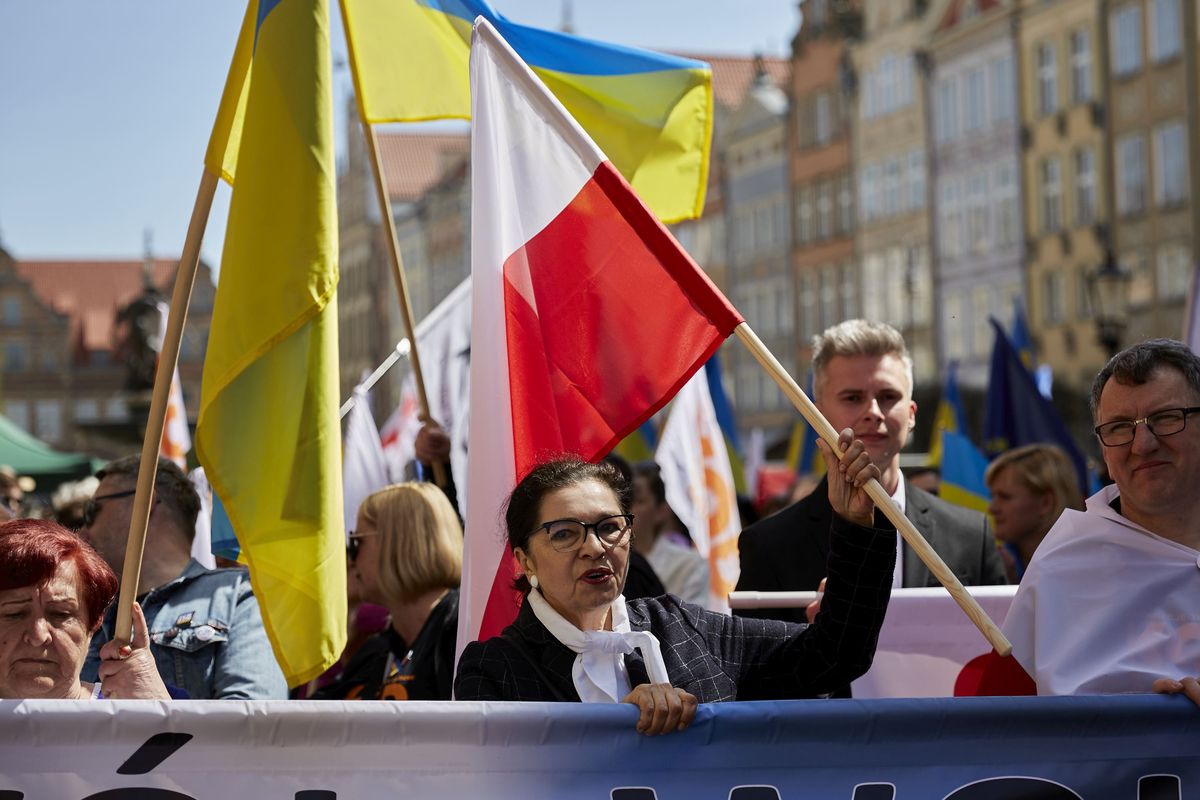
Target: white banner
[[926, 640]]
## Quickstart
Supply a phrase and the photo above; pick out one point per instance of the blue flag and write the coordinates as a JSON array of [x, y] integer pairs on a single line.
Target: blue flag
[[1017, 414]]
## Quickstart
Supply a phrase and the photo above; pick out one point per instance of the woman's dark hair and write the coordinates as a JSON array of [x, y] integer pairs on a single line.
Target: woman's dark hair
[[32, 549], [525, 502]]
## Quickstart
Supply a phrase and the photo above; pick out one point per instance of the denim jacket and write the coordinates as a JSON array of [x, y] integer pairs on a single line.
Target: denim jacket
[[207, 637]]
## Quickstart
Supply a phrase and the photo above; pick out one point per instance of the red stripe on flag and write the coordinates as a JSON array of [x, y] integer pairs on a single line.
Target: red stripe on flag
[[621, 318]]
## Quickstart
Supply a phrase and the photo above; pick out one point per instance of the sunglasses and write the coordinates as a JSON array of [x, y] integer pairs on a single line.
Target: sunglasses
[[93, 505], [352, 540]]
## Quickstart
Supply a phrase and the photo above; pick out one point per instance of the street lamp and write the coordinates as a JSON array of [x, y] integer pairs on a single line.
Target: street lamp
[[1109, 289]]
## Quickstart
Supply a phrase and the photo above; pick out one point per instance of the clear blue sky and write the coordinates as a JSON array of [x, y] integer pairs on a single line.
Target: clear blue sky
[[106, 107]]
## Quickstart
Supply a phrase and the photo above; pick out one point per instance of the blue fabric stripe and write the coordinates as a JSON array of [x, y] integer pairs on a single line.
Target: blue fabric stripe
[[562, 52], [721, 405], [264, 8]]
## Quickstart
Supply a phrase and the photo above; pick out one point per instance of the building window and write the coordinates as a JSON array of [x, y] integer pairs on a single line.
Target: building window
[[831, 311], [1126, 37], [1047, 79], [1174, 272], [1054, 310], [1005, 192], [1141, 282], [974, 100], [1165, 26], [849, 292], [1083, 296], [977, 212], [18, 413], [845, 205], [916, 180], [1051, 195], [869, 191], [87, 410], [950, 218], [874, 279], [16, 356], [825, 210], [1131, 174], [1081, 66], [49, 419], [810, 319], [12, 310], [116, 410], [954, 326], [947, 110], [822, 119], [981, 309], [892, 187], [1004, 97], [1085, 187], [804, 215], [1170, 164]]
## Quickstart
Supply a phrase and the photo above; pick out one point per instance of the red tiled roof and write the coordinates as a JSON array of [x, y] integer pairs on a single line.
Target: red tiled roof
[[954, 12], [733, 75], [413, 162], [91, 292]]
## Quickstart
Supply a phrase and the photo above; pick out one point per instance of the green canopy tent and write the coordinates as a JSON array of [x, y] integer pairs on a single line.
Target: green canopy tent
[[33, 457]]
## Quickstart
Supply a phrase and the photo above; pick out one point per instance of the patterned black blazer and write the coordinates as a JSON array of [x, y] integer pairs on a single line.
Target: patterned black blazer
[[713, 656]]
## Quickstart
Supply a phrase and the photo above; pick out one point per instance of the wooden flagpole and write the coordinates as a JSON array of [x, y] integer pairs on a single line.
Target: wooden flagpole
[[168, 358], [385, 210], [911, 535], [397, 263]]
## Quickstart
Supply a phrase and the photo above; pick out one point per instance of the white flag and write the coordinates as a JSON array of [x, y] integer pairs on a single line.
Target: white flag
[[176, 438], [364, 469], [444, 342], [699, 483]]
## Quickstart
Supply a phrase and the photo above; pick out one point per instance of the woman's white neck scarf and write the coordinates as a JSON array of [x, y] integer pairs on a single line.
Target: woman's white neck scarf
[[599, 672]]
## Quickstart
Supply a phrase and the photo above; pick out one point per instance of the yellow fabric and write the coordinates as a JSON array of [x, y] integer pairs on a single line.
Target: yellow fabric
[[221, 157], [945, 420], [268, 434], [410, 62]]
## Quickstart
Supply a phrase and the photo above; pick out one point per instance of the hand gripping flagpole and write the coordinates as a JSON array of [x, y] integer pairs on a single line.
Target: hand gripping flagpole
[[876, 491], [397, 263], [168, 358]]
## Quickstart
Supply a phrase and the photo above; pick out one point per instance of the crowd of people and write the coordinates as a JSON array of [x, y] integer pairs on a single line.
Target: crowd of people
[[613, 594]]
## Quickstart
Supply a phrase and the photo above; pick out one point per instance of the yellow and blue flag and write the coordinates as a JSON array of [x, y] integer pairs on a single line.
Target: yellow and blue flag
[[268, 434], [640, 445], [724, 411], [803, 456], [650, 113], [962, 470], [1021, 340], [949, 417]]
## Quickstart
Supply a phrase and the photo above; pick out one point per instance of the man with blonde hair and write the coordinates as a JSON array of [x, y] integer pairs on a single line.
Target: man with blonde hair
[[863, 380]]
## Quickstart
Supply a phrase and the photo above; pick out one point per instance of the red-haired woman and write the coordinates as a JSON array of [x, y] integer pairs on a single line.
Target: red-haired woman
[[54, 589]]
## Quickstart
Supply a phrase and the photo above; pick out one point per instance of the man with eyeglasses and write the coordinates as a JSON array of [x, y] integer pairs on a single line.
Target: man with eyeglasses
[[1111, 601], [206, 631]]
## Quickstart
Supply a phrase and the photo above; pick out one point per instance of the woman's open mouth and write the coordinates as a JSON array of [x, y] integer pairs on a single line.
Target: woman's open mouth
[[597, 576]]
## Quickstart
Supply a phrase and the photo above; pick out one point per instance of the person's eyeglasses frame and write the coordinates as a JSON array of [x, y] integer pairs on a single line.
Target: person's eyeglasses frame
[[352, 540], [92, 507], [1148, 421], [625, 533]]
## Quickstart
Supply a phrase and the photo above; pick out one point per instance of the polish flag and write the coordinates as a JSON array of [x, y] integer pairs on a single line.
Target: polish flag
[[587, 314]]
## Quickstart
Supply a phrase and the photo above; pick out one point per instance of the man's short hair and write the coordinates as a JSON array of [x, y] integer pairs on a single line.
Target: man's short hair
[[858, 337], [651, 473], [172, 488], [1134, 366]]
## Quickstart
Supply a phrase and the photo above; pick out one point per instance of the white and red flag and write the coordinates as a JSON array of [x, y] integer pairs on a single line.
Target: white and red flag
[[587, 314]]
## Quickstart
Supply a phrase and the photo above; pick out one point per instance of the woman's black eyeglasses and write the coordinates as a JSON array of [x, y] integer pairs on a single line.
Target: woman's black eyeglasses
[[567, 535], [93, 505], [352, 539]]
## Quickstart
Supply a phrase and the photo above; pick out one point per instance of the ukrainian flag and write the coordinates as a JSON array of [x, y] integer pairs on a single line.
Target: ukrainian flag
[[724, 411], [963, 467], [268, 434], [949, 417], [650, 113], [803, 456]]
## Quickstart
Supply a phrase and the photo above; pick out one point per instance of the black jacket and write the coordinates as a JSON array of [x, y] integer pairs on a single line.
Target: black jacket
[[713, 656], [787, 551]]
